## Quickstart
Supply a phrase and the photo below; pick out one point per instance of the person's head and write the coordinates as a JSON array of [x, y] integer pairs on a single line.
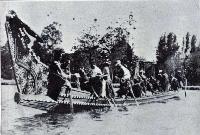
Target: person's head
[[160, 72], [11, 14]]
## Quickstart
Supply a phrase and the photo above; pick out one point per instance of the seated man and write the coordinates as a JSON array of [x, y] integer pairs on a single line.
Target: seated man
[[95, 80], [57, 79], [137, 88], [166, 83], [174, 84], [161, 80], [83, 79], [143, 81], [179, 76], [125, 83], [155, 85], [149, 86], [107, 82]]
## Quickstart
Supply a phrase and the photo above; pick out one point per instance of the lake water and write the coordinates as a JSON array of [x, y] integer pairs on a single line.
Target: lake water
[[172, 117]]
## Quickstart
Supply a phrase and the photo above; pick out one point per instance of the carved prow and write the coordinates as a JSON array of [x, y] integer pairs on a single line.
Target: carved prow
[[30, 74]]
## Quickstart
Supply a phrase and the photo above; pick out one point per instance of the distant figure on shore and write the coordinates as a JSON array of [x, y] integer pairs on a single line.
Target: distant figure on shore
[[57, 79]]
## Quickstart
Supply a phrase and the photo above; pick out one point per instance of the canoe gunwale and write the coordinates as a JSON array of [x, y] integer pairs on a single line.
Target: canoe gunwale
[[84, 103]]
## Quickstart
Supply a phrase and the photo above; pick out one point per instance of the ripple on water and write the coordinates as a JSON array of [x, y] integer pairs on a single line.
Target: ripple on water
[[178, 116]]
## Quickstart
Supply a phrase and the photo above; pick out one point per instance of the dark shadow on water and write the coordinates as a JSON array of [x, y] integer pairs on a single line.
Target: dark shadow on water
[[176, 98], [123, 109], [97, 114], [51, 121]]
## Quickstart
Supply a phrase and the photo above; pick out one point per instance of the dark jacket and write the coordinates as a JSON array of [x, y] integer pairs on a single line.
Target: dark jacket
[[55, 81]]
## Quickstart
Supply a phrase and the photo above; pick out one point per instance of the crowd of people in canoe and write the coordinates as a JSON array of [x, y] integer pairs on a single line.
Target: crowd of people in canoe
[[99, 83]]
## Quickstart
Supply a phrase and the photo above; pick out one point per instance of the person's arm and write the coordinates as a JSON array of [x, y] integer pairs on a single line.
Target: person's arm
[[62, 73], [30, 31]]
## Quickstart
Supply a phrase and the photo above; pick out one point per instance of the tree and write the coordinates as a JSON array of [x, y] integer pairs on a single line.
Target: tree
[[191, 62], [166, 51], [198, 47], [192, 69], [193, 44], [52, 38], [86, 49], [112, 45], [6, 63], [187, 42]]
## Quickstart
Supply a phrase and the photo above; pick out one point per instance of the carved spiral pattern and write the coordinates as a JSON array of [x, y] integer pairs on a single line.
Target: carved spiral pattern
[[31, 74]]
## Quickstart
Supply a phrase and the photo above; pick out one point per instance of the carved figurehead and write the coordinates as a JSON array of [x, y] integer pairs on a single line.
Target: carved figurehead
[[30, 73]]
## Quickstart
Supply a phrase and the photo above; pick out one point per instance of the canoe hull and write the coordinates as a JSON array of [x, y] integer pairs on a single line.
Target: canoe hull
[[86, 103]]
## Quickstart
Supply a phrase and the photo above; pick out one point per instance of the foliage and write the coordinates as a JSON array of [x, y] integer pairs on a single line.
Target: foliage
[[191, 60], [193, 44], [52, 38], [112, 45], [187, 47], [6, 63], [193, 68], [167, 48]]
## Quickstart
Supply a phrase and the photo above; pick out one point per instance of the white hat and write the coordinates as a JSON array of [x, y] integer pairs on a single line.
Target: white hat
[[160, 71]]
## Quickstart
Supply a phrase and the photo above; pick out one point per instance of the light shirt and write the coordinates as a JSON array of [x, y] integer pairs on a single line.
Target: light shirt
[[96, 71], [106, 72], [127, 74]]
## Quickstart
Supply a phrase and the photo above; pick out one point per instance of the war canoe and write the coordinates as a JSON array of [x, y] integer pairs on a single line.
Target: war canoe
[[31, 75], [85, 103]]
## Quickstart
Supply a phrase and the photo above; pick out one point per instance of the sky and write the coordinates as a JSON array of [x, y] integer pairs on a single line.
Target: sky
[[154, 17]]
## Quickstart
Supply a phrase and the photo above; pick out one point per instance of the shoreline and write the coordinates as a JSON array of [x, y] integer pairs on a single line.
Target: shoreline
[[7, 82]]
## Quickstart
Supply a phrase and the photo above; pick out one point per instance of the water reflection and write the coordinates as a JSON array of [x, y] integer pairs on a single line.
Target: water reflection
[[52, 121], [122, 109], [96, 115], [173, 116]]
